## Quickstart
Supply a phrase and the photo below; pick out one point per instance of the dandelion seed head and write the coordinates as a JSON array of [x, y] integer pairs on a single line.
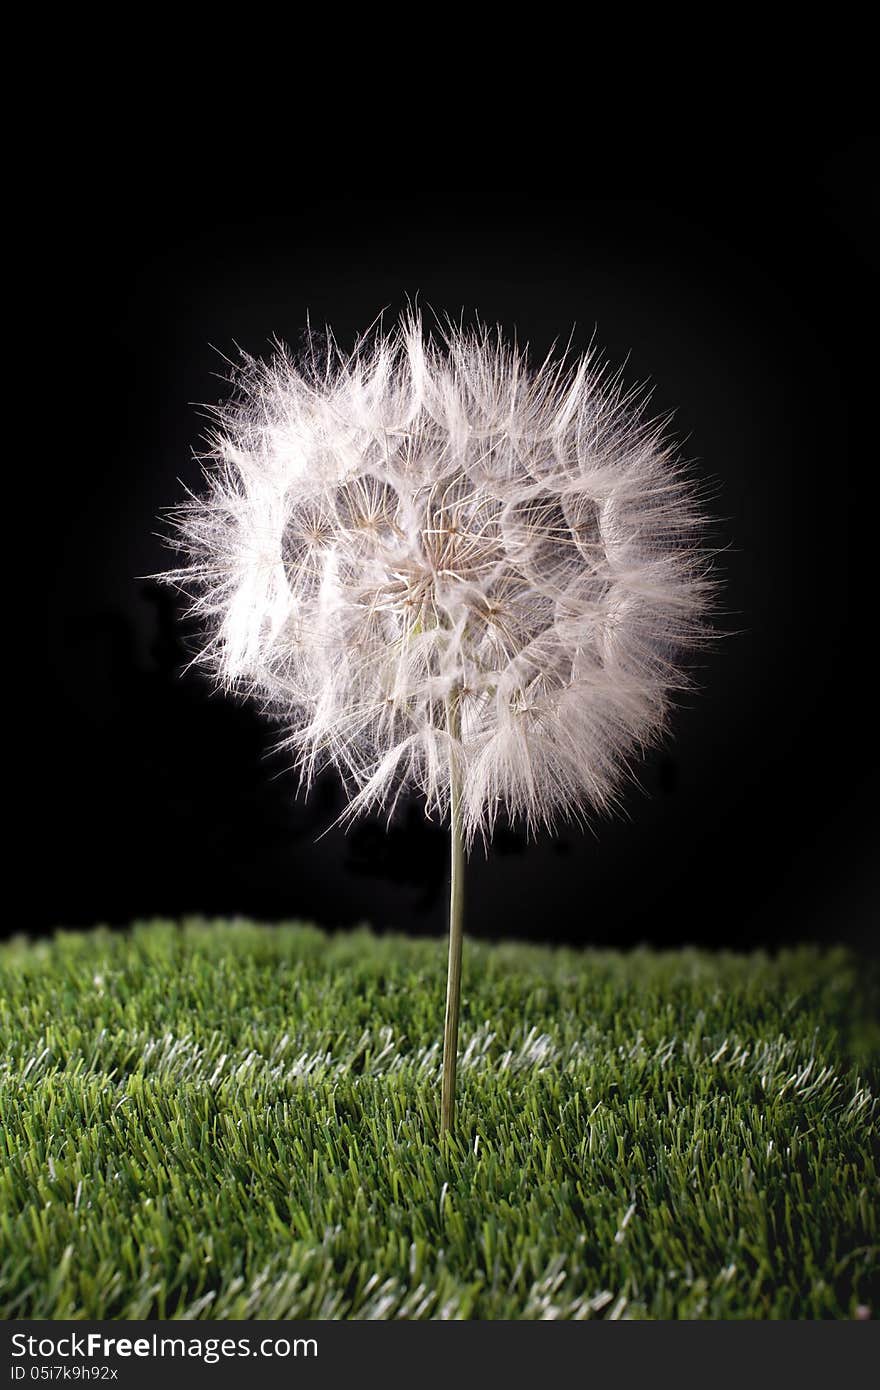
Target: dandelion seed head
[[431, 525]]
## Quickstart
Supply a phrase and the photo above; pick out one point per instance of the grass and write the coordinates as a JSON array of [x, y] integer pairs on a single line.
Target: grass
[[219, 1120]]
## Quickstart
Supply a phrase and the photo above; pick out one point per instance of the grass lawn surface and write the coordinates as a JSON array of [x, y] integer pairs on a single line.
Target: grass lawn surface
[[221, 1120]]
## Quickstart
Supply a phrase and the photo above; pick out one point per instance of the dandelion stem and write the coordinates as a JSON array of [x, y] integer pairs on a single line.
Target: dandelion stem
[[456, 923]]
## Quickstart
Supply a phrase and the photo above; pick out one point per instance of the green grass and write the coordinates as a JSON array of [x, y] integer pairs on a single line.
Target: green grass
[[228, 1121]]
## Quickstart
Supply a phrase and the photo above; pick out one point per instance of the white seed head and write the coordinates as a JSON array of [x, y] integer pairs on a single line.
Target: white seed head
[[429, 556]]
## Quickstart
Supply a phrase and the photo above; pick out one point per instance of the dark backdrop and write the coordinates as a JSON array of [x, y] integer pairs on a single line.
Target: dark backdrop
[[737, 285]]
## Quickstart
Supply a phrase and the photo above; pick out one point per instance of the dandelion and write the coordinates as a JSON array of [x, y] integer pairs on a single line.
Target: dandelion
[[446, 571]]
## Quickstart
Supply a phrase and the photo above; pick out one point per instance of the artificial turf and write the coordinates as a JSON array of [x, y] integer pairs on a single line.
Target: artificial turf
[[220, 1120]]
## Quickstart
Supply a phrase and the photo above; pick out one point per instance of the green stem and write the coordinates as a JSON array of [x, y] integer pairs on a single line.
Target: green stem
[[456, 925]]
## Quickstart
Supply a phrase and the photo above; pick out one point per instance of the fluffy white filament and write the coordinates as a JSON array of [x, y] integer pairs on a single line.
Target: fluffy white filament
[[429, 555]]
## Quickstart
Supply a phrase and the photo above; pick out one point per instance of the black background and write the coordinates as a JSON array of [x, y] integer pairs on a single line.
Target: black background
[[736, 285]]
